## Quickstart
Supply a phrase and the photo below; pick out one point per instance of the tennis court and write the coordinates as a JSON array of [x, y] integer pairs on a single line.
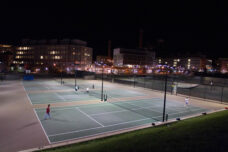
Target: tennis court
[[89, 120], [50, 91], [126, 108]]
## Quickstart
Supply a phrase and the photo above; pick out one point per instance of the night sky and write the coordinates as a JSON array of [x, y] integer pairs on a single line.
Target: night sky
[[183, 26]]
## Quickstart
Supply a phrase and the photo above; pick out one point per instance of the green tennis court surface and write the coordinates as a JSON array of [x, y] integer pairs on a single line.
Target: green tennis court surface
[[94, 119], [50, 91]]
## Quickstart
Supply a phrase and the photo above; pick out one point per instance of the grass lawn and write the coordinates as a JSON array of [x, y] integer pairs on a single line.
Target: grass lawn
[[201, 134]]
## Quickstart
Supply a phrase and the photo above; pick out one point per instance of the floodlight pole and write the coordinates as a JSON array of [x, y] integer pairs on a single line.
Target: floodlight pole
[[102, 83], [165, 97], [134, 80], [75, 81]]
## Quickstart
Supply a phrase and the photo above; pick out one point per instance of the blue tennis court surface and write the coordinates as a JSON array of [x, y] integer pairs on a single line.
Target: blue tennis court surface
[[76, 122]]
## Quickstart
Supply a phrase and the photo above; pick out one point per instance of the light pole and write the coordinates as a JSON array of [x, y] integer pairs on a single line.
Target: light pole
[[134, 77], [102, 83], [164, 106], [75, 81]]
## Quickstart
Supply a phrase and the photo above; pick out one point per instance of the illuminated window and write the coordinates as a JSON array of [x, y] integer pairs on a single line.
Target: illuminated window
[[53, 52], [57, 57], [23, 48], [20, 52], [73, 53], [86, 54]]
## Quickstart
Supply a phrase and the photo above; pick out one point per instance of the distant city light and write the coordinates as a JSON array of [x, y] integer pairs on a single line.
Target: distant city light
[[24, 48]]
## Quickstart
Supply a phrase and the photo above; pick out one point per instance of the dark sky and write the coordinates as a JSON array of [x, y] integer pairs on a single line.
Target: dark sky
[[185, 26]]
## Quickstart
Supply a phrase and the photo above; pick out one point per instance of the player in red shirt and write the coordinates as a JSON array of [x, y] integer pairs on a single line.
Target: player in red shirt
[[47, 114]]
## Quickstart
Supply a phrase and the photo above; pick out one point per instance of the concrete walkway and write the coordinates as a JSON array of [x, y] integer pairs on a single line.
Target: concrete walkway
[[20, 128]]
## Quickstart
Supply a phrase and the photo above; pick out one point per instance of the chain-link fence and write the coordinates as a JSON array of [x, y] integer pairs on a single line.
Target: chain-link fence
[[202, 87]]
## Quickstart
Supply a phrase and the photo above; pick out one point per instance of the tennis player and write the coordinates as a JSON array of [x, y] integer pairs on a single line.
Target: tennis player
[[47, 114], [76, 88], [186, 101]]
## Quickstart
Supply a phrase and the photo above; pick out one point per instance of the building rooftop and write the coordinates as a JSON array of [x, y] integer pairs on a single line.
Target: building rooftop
[[53, 42]]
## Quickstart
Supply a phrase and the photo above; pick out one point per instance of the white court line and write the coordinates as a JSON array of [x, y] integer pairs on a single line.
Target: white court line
[[89, 116], [148, 107], [43, 109], [185, 111], [47, 87], [42, 126], [100, 127], [104, 113], [60, 96], [96, 114], [110, 125], [102, 133], [26, 93]]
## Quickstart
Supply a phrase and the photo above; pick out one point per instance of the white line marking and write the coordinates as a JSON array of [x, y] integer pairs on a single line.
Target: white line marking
[[185, 111], [42, 126], [99, 127], [109, 126], [42, 109], [100, 133], [47, 87], [122, 111], [26, 94], [97, 114], [148, 107], [60, 96], [89, 116], [115, 98]]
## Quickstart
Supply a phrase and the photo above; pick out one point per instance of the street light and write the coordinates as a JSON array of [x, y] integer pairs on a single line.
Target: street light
[[102, 83], [75, 81], [164, 106]]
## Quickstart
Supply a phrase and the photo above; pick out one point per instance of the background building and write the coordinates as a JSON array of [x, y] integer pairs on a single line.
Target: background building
[[104, 60], [222, 64], [133, 57], [6, 56], [53, 55], [198, 64]]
